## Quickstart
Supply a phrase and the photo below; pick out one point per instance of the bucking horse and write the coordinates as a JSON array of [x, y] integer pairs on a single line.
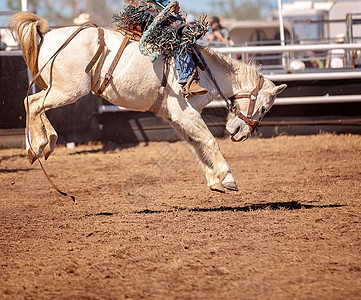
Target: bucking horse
[[59, 65]]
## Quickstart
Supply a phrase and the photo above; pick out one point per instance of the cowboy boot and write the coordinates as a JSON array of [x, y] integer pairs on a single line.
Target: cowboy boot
[[192, 87]]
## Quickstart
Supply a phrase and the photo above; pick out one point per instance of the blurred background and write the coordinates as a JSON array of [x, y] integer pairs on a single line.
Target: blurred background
[[312, 46], [60, 13]]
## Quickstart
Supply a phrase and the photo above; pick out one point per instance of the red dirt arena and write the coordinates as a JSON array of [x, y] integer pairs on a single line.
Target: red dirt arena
[[145, 224]]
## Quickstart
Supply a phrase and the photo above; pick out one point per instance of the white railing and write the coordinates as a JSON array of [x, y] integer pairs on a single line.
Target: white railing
[[321, 52], [287, 48], [279, 101], [325, 74]]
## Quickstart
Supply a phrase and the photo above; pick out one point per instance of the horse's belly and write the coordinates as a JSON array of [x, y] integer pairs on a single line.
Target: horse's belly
[[136, 81]]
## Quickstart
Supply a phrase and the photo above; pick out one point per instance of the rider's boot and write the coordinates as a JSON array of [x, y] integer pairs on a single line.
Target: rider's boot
[[192, 87]]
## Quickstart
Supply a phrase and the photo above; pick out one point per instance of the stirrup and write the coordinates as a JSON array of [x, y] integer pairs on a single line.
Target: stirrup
[[193, 83], [194, 89]]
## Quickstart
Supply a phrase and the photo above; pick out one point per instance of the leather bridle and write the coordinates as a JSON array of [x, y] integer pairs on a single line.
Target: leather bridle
[[230, 102], [253, 124]]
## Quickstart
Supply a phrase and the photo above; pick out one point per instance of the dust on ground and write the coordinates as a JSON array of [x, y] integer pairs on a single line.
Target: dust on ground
[[146, 226]]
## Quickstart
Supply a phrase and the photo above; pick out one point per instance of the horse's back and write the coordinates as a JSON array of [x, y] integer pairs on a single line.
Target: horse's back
[[135, 80], [80, 48]]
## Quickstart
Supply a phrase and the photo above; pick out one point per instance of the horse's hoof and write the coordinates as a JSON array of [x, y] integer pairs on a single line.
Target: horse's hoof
[[229, 183], [32, 156], [217, 187], [46, 152], [52, 142], [49, 148], [232, 186]]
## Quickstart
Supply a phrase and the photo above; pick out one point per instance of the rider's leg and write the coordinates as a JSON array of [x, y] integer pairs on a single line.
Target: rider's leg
[[187, 71]]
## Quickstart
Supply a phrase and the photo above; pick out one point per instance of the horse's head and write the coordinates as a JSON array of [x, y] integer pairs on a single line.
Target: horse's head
[[252, 95], [248, 109]]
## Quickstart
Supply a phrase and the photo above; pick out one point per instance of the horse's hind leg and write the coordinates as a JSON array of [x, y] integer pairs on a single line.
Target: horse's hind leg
[[51, 135], [43, 134], [34, 107]]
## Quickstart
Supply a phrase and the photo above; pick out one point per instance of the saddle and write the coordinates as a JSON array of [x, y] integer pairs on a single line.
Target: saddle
[[132, 22], [97, 60]]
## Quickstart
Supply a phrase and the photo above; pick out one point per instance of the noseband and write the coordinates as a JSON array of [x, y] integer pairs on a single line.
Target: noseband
[[253, 124]]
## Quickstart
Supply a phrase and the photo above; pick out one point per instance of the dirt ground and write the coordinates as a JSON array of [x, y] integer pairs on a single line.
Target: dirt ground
[[146, 226]]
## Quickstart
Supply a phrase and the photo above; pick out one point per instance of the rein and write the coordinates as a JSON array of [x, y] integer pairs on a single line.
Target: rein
[[200, 56]]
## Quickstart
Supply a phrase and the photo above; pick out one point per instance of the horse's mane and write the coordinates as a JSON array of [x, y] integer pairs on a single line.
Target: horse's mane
[[243, 71]]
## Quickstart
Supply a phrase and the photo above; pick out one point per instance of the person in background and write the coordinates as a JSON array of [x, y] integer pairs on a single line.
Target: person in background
[[82, 19], [313, 61], [32, 9], [217, 33], [337, 56]]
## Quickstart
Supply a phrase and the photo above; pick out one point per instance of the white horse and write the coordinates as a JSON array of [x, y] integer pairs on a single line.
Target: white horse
[[136, 84]]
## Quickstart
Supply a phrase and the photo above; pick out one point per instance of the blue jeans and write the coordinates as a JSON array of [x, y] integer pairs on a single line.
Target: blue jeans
[[184, 64]]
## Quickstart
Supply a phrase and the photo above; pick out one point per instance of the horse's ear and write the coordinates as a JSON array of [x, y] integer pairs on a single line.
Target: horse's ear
[[279, 89]]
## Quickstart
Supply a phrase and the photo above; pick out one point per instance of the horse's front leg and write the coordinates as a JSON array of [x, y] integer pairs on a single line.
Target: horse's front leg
[[207, 167], [188, 122], [229, 182], [220, 166]]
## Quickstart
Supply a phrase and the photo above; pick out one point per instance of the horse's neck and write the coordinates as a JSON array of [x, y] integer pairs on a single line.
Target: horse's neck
[[224, 78], [243, 76], [248, 76]]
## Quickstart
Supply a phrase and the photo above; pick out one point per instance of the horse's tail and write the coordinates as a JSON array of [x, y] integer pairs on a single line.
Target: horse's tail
[[25, 28]]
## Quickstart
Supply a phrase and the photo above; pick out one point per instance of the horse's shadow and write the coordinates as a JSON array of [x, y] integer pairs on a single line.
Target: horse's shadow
[[291, 205], [3, 158], [9, 170], [107, 147], [6, 170]]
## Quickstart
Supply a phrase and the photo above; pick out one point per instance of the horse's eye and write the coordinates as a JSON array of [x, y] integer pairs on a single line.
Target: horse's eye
[[263, 110]]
